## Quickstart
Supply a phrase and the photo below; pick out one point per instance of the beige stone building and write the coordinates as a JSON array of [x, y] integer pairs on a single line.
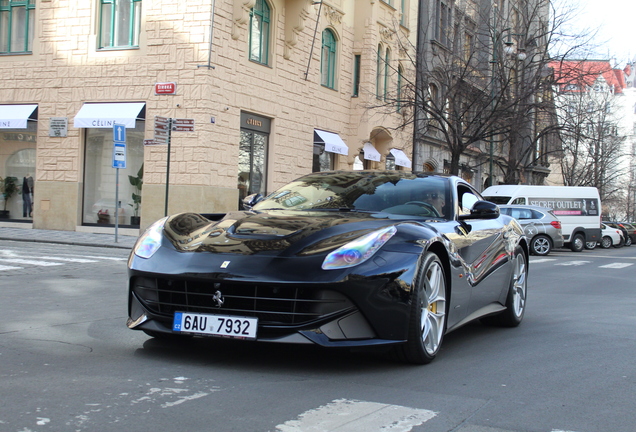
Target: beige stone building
[[275, 88]]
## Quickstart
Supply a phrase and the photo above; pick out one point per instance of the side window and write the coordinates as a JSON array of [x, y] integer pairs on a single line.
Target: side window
[[519, 201], [259, 32], [17, 24], [119, 23], [467, 198]]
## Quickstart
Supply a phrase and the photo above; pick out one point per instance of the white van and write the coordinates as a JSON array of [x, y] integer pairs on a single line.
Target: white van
[[577, 207]]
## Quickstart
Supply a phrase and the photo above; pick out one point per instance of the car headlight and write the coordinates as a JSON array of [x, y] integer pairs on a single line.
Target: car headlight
[[150, 240], [358, 251]]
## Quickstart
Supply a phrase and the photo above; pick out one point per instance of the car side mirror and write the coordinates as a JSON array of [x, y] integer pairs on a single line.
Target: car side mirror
[[251, 200], [481, 210]]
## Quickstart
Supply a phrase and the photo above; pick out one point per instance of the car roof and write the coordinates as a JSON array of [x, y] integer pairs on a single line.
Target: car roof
[[531, 207]]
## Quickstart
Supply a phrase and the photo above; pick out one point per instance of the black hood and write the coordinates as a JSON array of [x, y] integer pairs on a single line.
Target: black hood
[[271, 232]]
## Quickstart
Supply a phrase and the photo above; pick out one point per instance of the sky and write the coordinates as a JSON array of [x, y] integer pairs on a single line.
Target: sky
[[616, 21]]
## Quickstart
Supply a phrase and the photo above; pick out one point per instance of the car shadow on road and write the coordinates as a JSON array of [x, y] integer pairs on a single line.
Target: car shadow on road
[[272, 356]]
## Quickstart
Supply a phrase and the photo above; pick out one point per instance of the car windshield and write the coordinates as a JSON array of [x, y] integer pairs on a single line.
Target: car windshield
[[498, 199], [389, 192]]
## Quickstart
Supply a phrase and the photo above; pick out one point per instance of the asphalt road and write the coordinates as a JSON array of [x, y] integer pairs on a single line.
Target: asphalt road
[[68, 362]]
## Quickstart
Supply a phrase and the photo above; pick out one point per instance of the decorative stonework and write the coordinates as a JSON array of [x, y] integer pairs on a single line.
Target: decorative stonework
[[297, 13], [386, 34], [241, 16], [333, 15]]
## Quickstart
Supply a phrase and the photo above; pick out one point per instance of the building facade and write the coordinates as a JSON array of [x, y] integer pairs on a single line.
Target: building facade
[[218, 100]]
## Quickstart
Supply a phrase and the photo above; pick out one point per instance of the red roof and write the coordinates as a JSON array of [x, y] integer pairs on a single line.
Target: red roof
[[584, 73]]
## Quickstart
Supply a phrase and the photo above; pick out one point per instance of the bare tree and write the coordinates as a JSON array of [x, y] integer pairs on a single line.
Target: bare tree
[[482, 88]]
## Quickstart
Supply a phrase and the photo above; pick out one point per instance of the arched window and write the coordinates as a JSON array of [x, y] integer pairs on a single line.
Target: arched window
[[387, 64], [328, 59], [259, 32]]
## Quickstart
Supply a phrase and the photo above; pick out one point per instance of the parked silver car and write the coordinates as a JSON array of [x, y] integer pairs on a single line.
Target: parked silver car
[[542, 227]]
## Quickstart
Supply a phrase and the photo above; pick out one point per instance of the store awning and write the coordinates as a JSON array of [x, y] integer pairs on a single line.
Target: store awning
[[370, 153], [105, 115], [16, 116], [332, 142], [400, 158]]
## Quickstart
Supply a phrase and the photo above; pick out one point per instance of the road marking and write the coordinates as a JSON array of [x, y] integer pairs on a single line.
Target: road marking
[[540, 260], [573, 263], [30, 262], [617, 265], [345, 415], [105, 258], [3, 268], [75, 260]]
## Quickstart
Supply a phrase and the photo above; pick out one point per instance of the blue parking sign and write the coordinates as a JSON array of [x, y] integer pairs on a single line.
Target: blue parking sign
[[119, 155]]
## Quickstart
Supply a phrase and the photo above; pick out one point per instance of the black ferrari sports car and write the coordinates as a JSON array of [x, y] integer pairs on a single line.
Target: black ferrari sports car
[[337, 259]]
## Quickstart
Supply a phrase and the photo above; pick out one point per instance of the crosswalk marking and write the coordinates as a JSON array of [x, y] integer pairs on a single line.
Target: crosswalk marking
[[20, 259], [344, 415], [30, 262], [540, 260], [573, 263], [76, 260], [617, 265]]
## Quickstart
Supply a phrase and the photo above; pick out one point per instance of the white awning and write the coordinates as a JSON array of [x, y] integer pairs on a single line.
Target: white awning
[[333, 143], [370, 153], [400, 158], [105, 115], [16, 116]]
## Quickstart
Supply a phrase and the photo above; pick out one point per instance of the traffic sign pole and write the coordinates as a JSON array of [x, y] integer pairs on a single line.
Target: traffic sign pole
[[165, 210], [119, 161]]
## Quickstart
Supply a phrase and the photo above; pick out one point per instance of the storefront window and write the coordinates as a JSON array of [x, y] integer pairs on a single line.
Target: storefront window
[[17, 162], [323, 160], [252, 158], [99, 177]]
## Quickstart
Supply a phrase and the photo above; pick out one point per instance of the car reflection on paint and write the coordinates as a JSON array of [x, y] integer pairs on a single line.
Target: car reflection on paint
[[335, 259]]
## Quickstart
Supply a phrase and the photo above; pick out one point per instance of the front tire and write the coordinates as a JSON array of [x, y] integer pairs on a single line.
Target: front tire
[[590, 245], [578, 243], [427, 322], [606, 242], [628, 241], [540, 245]]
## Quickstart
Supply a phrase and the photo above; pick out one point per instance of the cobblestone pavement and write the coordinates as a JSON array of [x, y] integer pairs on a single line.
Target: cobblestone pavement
[[68, 237]]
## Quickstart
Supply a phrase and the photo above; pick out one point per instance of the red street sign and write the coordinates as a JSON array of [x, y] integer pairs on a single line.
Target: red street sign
[[183, 128], [169, 88], [148, 142]]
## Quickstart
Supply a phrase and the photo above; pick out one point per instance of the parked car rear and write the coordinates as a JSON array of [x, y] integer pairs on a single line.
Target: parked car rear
[[541, 226], [629, 233]]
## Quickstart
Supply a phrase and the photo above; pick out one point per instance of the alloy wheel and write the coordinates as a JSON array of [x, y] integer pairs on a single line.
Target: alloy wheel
[[433, 304], [519, 285]]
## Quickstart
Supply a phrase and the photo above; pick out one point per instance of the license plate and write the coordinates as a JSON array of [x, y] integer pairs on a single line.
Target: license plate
[[215, 325]]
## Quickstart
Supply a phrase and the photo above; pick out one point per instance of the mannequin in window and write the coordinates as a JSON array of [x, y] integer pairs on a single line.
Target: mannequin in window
[[27, 196]]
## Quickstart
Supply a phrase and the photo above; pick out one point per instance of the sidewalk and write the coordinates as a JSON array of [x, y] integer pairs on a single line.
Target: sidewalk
[[68, 237]]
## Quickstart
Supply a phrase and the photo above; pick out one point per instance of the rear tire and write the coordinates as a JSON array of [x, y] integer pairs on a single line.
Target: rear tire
[[590, 245], [517, 293], [427, 322], [606, 242], [628, 241], [541, 245], [578, 243]]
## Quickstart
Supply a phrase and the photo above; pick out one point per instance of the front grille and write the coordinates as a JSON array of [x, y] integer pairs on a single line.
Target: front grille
[[272, 304]]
